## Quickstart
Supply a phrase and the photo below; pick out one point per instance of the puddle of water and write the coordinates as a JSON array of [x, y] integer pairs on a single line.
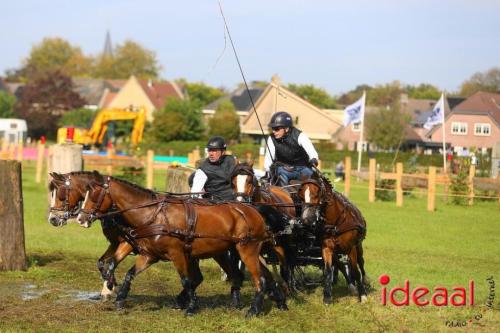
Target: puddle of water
[[31, 291]]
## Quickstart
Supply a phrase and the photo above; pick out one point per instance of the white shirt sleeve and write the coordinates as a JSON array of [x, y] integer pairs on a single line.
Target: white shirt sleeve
[[199, 181], [305, 143], [267, 159]]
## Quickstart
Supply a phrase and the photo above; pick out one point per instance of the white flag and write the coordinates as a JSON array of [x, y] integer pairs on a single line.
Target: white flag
[[355, 112], [437, 116]]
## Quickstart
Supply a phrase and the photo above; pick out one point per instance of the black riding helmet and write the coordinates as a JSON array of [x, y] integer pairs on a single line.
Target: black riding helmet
[[281, 119], [216, 142]]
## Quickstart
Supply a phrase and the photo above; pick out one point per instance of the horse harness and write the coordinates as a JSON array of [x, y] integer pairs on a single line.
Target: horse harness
[[148, 230]]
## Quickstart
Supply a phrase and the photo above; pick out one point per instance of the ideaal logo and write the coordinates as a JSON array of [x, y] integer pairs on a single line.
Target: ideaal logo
[[439, 296]]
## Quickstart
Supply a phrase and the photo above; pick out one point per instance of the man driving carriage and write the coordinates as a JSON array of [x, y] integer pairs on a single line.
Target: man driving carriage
[[290, 152], [213, 175]]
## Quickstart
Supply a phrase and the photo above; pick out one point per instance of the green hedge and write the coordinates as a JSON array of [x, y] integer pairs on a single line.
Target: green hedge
[[327, 152]]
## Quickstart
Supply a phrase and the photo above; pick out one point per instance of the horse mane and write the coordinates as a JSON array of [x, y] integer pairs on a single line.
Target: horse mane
[[245, 167], [140, 188]]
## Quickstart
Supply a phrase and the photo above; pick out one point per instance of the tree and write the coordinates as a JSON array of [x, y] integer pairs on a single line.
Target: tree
[[77, 118], [353, 95], [385, 127], [56, 54], [423, 91], [130, 58], [201, 93], [225, 122], [316, 96], [44, 100], [488, 81], [385, 95], [7, 102], [178, 120]]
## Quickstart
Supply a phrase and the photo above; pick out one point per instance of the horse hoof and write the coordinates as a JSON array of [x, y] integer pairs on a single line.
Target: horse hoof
[[364, 299], [283, 307], [120, 305], [327, 300], [352, 290], [180, 303], [189, 312], [252, 312]]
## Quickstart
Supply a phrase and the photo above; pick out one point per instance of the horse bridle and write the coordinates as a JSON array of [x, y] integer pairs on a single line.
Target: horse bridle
[[94, 212], [249, 172], [67, 214], [318, 206]]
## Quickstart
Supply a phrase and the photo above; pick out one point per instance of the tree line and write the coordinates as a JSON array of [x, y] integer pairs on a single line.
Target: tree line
[[48, 100]]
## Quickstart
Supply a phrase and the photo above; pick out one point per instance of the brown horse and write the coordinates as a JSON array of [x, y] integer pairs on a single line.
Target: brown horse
[[67, 192], [342, 226], [248, 189], [169, 228]]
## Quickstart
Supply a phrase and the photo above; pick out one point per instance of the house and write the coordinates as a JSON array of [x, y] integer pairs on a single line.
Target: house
[[473, 123], [91, 90], [152, 95], [239, 98], [318, 124]]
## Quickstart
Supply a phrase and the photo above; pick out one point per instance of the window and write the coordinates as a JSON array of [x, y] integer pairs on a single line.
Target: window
[[459, 128], [356, 127], [482, 129]]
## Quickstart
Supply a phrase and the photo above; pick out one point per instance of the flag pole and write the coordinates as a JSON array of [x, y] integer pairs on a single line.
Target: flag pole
[[444, 136], [360, 147]]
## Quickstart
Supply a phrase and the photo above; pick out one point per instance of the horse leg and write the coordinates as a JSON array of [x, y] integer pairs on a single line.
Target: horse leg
[[106, 291], [120, 253], [273, 288], [229, 263], [357, 276], [182, 300], [346, 269], [141, 263], [249, 253], [184, 267], [327, 253], [361, 264]]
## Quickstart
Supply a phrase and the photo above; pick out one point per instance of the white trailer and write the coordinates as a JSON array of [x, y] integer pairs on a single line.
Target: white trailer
[[13, 130]]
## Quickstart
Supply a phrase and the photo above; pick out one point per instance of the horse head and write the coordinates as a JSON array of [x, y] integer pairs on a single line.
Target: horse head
[[311, 195], [97, 200], [67, 192], [243, 181]]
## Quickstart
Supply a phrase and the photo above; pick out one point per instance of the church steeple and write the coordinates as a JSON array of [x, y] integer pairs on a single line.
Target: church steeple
[[108, 48]]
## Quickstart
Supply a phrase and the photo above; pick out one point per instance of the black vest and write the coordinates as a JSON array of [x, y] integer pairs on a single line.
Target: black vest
[[288, 150], [218, 182]]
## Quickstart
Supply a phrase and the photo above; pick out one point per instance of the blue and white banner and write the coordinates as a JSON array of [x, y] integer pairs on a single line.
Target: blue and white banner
[[437, 116], [355, 112]]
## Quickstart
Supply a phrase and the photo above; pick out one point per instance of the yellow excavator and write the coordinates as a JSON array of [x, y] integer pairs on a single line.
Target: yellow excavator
[[95, 134]]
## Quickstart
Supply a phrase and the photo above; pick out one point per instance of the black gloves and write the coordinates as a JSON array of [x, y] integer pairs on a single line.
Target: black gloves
[[314, 162]]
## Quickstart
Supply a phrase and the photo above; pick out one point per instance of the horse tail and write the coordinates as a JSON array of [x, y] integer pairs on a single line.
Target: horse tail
[[361, 263]]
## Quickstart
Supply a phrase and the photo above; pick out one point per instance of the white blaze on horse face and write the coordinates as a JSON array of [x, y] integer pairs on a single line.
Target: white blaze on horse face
[[307, 195], [241, 180], [80, 217], [53, 198]]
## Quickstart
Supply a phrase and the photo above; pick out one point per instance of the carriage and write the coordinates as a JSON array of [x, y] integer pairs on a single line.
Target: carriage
[[304, 238]]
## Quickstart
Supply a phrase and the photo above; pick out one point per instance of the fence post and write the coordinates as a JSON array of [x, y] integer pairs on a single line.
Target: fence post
[[12, 250], [431, 189], [196, 155], [12, 148], [371, 180], [39, 161], [5, 149], [149, 169], [347, 175], [472, 173], [399, 183]]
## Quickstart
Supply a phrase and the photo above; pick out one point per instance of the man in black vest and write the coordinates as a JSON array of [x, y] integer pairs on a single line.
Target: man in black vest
[[290, 152], [213, 176]]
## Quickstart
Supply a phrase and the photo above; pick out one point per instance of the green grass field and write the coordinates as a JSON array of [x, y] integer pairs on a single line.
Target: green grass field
[[447, 248]]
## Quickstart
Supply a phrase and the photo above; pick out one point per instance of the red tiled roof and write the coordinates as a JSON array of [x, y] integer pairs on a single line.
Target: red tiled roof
[[158, 92], [484, 102], [108, 98]]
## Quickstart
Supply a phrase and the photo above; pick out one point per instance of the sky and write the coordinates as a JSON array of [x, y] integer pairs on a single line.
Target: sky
[[335, 45]]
